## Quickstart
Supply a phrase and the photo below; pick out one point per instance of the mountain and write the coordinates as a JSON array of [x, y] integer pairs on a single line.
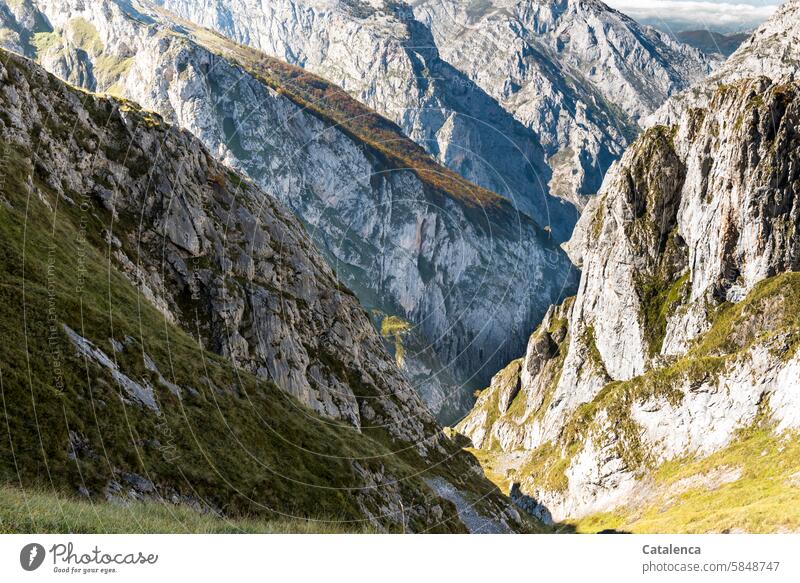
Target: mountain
[[713, 43], [772, 51], [172, 334], [412, 239], [579, 74], [668, 384], [528, 99]]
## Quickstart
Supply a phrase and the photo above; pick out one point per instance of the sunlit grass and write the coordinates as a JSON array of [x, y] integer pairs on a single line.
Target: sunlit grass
[[765, 497], [23, 511]]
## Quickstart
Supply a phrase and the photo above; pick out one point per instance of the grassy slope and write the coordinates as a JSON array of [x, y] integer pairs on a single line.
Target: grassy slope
[[238, 443], [765, 498], [25, 511]]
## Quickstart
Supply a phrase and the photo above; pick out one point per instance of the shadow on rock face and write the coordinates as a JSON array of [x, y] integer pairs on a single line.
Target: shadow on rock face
[[539, 511], [530, 505]]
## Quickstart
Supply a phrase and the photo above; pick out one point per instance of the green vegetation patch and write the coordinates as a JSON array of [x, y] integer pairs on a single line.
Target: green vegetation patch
[[547, 465], [110, 68], [34, 510], [392, 325], [43, 41], [770, 310], [595, 358], [658, 300], [599, 218], [753, 485], [395, 327], [772, 307], [85, 35]]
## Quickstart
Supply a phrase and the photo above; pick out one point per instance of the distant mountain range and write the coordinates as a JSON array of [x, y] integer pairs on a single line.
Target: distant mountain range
[[713, 43]]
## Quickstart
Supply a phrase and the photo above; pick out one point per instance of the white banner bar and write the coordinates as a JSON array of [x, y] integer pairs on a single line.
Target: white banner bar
[[407, 559], [389, 558]]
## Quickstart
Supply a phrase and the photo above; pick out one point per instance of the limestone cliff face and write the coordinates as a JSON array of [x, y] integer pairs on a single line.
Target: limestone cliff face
[[410, 238], [684, 328], [214, 253], [242, 288], [528, 99], [579, 74]]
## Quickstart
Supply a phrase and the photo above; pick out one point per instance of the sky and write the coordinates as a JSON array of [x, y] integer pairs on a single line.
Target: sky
[[719, 15]]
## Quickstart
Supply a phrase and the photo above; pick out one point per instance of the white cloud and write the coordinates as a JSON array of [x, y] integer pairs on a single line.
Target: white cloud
[[695, 14]]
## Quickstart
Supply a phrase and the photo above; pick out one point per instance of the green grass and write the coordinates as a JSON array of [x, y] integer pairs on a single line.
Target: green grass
[[111, 68], [234, 441], [599, 218], [395, 327], [248, 449], [85, 35], [547, 467], [488, 460], [595, 358], [392, 325], [769, 311], [42, 41], [27, 511], [765, 498], [772, 306], [658, 298]]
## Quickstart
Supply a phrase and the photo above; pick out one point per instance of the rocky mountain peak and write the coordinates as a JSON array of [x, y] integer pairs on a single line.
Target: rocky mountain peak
[[771, 51]]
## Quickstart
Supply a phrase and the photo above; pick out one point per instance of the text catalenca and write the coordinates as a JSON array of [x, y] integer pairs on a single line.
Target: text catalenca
[[669, 550]]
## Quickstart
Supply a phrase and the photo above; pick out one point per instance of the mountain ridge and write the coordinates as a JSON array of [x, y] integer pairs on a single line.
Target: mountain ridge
[[419, 77], [405, 246]]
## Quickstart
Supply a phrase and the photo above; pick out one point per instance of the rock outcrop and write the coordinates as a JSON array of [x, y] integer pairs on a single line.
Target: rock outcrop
[[409, 237], [684, 330], [773, 51], [214, 253]]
